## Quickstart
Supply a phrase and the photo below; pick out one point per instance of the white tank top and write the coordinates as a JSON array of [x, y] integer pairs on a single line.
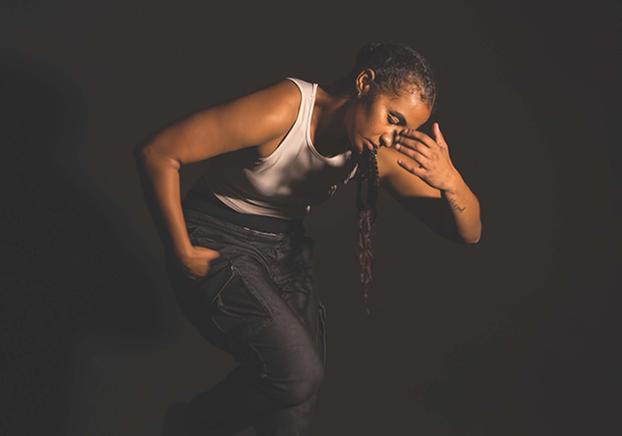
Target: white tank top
[[286, 183]]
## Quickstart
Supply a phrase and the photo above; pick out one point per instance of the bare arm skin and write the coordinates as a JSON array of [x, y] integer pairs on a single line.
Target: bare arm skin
[[452, 212], [248, 121], [465, 209]]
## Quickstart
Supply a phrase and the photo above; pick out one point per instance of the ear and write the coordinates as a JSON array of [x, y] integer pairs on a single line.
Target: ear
[[364, 77]]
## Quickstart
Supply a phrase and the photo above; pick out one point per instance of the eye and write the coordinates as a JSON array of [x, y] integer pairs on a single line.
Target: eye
[[391, 120]]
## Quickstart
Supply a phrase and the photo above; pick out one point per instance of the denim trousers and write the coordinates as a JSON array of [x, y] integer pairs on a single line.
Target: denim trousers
[[257, 303]]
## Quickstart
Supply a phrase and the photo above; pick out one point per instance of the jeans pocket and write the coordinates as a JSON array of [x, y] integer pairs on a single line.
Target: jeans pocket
[[210, 286], [192, 229], [199, 235], [234, 307]]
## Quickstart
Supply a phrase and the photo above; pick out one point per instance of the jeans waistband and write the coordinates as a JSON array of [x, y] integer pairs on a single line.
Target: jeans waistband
[[211, 205], [229, 231]]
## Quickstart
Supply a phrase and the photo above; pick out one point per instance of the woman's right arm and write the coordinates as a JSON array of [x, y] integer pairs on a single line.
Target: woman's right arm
[[244, 122]]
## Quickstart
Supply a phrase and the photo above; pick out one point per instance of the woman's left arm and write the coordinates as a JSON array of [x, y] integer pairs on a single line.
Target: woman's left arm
[[437, 178], [465, 208]]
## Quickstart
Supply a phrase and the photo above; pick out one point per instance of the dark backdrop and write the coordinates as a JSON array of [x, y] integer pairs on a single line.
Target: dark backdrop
[[518, 335]]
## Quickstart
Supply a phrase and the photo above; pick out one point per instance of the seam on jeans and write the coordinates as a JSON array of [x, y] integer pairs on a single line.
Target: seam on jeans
[[191, 228], [264, 365], [255, 294], [322, 315], [232, 274]]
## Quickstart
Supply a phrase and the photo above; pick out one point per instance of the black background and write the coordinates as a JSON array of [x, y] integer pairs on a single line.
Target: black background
[[518, 335]]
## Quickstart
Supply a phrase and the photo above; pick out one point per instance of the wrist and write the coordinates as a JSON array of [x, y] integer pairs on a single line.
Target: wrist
[[184, 252], [181, 252], [454, 183]]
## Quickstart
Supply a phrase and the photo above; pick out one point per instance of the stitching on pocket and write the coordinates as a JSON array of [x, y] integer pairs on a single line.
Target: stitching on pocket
[[254, 294], [231, 274], [192, 229], [236, 310]]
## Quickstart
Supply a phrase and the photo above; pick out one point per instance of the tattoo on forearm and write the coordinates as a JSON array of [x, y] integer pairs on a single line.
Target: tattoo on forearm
[[454, 204]]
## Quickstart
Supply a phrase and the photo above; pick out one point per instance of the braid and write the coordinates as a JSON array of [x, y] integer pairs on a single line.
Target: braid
[[366, 204], [398, 68]]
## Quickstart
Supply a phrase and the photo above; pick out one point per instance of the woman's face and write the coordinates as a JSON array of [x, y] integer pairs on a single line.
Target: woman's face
[[378, 119]]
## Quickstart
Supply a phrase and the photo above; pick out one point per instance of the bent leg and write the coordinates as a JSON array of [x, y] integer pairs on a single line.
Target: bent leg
[[240, 310], [297, 420]]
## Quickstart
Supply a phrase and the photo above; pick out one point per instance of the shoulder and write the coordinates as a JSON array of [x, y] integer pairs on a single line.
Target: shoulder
[[398, 180], [269, 110], [254, 118], [282, 97], [276, 105]]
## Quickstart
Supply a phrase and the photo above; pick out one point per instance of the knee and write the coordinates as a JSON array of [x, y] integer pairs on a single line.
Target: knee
[[303, 381]]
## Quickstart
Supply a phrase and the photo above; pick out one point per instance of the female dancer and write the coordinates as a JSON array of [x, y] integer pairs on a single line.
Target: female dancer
[[237, 254]]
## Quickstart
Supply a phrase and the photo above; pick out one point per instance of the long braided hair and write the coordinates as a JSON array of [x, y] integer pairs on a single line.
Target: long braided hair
[[397, 66], [367, 194]]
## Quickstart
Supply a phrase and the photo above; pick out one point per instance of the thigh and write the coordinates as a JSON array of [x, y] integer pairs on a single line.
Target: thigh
[[283, 340], [295, 279], [239, 308], [221, 306]]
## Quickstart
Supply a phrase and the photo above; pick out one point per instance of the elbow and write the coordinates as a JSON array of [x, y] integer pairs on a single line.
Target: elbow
[[138, 153], [149, 148], [457, 238], [149, 153], [464, 241], [142, 154], [140, 158], [140, 150], [472, 239]]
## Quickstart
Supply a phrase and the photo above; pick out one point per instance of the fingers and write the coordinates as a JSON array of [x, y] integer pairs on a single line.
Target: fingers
[[415, 151], [420, 158], [414, 169], [412, 135], [410, 146], [210, 252]]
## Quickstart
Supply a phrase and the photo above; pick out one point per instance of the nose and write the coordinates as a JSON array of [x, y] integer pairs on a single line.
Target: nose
[[388, 139]]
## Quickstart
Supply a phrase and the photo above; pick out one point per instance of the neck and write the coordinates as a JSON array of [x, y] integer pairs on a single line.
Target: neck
[[331, 117]]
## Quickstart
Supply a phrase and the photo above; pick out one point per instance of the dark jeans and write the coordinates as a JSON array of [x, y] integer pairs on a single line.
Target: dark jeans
[[258, 304]]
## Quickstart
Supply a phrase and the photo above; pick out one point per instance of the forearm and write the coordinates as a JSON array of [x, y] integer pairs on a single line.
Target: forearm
[[159, 176], [465, 209]]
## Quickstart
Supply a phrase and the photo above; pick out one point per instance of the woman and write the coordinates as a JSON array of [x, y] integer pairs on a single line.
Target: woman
[[237, 253]]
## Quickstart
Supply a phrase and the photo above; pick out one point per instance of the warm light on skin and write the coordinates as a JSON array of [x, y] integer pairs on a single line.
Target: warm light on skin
[[380, 120], [340, 124], [350, 123]]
